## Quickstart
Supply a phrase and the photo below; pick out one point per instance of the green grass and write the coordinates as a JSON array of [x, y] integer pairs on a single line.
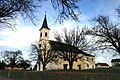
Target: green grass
[[96, 74], [98, 70]]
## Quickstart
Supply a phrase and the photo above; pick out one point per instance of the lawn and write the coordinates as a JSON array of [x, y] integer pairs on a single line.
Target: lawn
[[96, 74]]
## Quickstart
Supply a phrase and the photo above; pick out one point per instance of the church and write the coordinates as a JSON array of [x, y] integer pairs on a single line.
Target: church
[[83, 60]]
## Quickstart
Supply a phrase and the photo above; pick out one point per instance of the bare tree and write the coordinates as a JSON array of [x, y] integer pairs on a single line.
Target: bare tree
[[11, 9], [67, 9], [34, 51], [11, 57], [44, 53], [76, 37], [2, 65], [74, 40], [107, 33], [118, 11], [67, 52]]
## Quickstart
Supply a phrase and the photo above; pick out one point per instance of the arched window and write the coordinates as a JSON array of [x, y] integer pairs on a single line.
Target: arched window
[[46, 34], [40, 34]]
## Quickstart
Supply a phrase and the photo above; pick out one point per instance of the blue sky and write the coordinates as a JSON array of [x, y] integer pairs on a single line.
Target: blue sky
[[27, 33]]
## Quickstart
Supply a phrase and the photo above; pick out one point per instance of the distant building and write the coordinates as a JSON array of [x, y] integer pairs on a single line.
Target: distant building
[[102, 65], [14, 68], [115, 62], [83, 61]]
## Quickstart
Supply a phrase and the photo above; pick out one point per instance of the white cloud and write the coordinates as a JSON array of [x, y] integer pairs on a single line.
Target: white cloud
[[20, 38], [59, 28]]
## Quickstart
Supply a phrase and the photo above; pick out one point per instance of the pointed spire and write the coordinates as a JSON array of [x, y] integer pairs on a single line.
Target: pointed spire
[[44, 25]]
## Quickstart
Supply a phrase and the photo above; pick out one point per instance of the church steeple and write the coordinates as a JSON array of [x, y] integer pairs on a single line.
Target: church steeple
[[43, 39], [44, 30], [45, 25]]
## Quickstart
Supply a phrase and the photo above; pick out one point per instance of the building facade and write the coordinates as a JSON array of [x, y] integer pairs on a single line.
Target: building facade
[[83, 60], [115, 62], [102, 65]]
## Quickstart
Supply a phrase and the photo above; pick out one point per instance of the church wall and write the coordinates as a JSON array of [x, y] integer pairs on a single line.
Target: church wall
[[82, 63], [79, 65]]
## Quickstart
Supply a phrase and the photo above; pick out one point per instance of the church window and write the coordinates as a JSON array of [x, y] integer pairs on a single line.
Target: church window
[[75, 60], [39, 45], [46, 34], [92, 60], [40, 34]]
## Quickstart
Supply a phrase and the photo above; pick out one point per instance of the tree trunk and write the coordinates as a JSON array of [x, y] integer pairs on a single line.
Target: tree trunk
[[12, 67], [44, 67], [118, 50], [39, 65], [70, 65]]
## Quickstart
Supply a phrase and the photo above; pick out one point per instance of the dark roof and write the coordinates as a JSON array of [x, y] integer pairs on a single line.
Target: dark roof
[[44, 25], [89, 55], [102, 64], [58, 46], [115, 60]]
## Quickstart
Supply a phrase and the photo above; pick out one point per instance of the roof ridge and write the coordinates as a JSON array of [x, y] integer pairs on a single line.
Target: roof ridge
[[75, 48]]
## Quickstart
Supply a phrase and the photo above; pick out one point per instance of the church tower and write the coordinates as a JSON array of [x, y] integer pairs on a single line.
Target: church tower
[[43, 40], [44, 30]]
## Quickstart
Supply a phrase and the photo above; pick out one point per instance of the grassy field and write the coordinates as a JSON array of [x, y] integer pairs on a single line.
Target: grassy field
[[96, 74]]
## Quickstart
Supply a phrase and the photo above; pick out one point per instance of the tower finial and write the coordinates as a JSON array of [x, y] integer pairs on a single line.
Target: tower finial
[[44, 25], [45, 13]]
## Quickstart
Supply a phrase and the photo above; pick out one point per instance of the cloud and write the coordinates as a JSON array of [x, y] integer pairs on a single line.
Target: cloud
[[20, 38], [59, 27]]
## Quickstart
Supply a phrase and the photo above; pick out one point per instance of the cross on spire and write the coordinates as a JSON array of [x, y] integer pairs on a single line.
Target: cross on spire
[[45, 25], [45, 12]]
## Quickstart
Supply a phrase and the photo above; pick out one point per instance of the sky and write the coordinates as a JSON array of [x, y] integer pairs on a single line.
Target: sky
[[26, 33]]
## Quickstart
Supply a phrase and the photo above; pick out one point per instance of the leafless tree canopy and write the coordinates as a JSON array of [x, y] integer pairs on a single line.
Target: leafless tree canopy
[[75, 39], [67, 9], [43, 53], [11, 9], [12, 57], [34, 50], [7, 55], [118, 11], [107, 33]]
